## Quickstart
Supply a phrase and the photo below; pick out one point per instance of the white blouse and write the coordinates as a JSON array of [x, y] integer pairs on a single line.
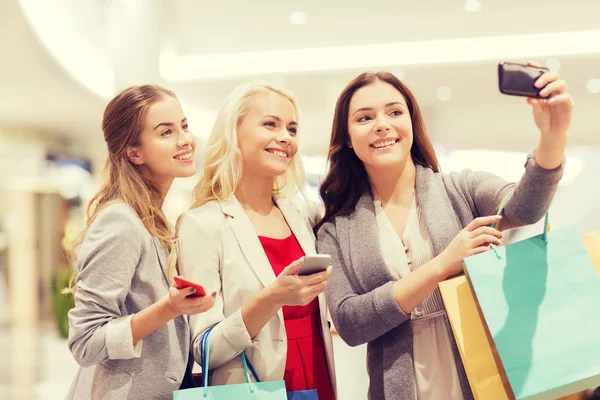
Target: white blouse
[[435, 369]]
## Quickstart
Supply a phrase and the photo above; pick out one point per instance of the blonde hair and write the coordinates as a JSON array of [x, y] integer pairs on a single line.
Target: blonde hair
[[223, 159], [122, 125]]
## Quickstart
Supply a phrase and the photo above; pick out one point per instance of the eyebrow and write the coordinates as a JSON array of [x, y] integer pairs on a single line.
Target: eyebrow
[[393, 103], [276, 118], [169, 123]]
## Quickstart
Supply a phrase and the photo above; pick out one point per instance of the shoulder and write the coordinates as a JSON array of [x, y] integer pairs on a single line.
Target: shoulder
[[120, 218], [116, 227], [308, 208], [363, 214], [208, 216]]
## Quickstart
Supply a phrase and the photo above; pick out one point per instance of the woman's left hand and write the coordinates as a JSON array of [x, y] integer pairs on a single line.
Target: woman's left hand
[[553, 113]]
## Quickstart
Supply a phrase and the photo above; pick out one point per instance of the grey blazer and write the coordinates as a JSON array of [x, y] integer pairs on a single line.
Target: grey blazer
[[359, 294], [122, 270]]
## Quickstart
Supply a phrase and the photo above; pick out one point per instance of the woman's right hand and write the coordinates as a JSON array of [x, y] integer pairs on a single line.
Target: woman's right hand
[[473, 239], [179, 302], [289, 289]]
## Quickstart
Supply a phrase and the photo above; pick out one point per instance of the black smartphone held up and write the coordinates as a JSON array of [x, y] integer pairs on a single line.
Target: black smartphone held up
[[518, 79]]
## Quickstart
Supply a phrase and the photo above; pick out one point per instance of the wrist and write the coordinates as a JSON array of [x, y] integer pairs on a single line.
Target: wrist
[[549, 154], [439, 267], [557, 141], [167, 308], [270, 296]]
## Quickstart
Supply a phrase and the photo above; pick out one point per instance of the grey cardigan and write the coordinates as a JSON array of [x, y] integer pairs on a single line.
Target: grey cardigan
[[359, 294], [122, 271]]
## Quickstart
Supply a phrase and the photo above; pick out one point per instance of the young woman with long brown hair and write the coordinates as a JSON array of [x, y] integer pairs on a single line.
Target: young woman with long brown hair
[[396, 226], [129, 329]]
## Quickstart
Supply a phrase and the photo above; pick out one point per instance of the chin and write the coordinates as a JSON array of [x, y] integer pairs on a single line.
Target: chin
[[185, 173], [393, 161], [275, 168]]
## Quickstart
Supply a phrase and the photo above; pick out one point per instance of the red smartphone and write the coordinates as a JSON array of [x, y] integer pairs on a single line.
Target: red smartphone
[[181, 283]]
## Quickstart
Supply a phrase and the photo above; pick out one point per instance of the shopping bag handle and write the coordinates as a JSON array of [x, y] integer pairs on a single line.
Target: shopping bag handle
[[204, 356], [501, 208]]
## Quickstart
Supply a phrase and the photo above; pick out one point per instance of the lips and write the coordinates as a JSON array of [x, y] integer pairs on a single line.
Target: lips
[[184, 156], [383, 143], [278, 152]]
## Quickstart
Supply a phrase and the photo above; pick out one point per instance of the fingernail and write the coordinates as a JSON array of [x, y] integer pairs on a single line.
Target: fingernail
[[192, 290], [214, 294]]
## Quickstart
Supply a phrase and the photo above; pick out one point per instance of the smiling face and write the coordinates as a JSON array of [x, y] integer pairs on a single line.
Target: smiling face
[[166, 146], [267, 135], [380, 127]]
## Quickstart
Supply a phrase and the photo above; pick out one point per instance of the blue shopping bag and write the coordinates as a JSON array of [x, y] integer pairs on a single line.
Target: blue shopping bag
[[274, 390], [303, 395], [540, 299], [258, 390]]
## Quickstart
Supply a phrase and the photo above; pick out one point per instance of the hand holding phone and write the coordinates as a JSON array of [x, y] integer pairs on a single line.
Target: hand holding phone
[[519, 79], [181, 283], [314, 263]]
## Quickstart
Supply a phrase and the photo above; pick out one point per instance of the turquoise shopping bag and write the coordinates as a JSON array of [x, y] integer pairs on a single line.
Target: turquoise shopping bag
[[274, 390], [540, 299]]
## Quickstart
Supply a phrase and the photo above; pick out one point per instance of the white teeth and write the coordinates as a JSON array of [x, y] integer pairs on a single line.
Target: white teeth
[[278, 153], [384, 144], [187, 156]]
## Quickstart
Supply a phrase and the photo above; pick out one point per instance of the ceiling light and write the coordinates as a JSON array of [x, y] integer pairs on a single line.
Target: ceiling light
[[297, 17], [83, 62], [473, 6], [443, 93], [593, 86], [401, 54]]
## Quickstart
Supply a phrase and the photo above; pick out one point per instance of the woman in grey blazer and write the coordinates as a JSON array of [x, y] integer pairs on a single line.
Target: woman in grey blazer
[[395, 227], [128, 330]]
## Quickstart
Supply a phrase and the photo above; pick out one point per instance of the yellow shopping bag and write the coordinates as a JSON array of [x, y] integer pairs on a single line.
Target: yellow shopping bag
[[482, 364]]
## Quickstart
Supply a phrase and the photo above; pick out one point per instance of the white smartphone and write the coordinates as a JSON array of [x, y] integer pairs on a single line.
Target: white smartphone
[[314, 263]]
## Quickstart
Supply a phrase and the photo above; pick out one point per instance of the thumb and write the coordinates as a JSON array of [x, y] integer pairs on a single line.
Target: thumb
[[294, 267]]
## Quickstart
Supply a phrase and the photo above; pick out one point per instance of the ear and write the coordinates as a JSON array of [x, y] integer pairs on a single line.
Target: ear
[[133, 154], [349, 144]]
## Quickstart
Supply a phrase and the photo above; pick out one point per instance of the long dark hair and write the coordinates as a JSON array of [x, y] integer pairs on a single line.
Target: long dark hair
[[347, 179]]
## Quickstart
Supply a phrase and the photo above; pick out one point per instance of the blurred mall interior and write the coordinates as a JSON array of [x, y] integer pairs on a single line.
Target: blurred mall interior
[[63, 60]]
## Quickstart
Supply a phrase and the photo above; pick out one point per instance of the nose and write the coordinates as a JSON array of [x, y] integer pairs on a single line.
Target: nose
[[284, 136], [185, 138], [382, 126]]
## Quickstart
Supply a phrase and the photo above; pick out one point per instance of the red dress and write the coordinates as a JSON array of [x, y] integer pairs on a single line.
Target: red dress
[[306, 363]]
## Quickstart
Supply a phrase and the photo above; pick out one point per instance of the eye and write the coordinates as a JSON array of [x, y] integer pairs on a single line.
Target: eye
[[293, 131], [185, 127], [396, 113], [166, 133], [270, 124], [364, 118]]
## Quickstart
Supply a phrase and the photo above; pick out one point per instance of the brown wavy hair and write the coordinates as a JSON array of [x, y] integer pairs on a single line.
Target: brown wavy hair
[[122, 125], [347, 179]]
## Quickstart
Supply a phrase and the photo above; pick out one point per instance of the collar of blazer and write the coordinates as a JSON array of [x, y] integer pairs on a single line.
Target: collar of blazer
[[248, 239]]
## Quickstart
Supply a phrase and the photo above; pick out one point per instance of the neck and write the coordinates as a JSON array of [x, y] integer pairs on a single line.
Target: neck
[[164, 190], [255, 193], [394, 186], [163, 187]]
